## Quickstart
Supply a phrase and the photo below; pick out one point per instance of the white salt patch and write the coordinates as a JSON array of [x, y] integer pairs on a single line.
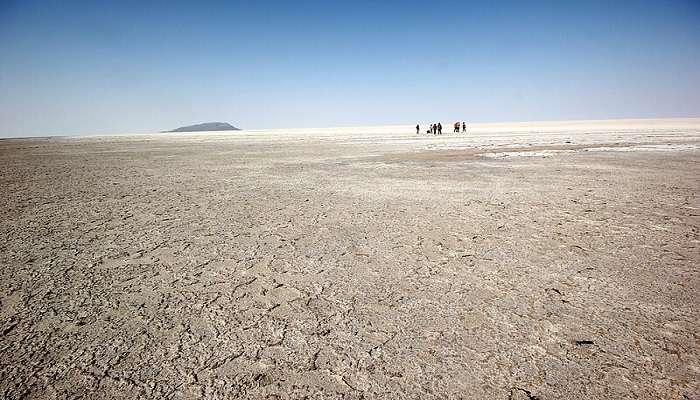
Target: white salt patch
[[648, 147], [507, 154]]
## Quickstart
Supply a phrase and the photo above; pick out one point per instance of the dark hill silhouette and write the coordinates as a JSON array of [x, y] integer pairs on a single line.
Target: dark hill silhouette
[[207, 126]]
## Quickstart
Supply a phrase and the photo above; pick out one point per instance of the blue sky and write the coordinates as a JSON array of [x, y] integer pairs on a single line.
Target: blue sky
[[109, 67]]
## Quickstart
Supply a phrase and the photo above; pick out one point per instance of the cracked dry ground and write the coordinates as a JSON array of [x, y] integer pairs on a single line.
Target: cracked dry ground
[[307, 268]]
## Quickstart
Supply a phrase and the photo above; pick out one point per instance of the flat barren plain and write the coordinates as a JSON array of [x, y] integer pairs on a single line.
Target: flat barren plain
[[516, 261]]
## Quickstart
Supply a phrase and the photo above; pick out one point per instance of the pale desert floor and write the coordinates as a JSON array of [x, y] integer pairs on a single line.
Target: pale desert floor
[[540, 261]]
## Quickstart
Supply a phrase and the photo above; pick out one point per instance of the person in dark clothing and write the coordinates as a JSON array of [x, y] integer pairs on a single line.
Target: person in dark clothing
[[439, 128], [417, 129], [464, 127]]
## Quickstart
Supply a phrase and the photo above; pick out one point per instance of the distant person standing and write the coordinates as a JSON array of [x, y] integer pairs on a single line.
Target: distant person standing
[[456, 127], [464, 127], [439, 128], [433, 129], [417, 129]]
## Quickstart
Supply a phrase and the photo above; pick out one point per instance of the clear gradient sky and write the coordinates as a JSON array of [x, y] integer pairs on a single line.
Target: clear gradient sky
[[109, 67]]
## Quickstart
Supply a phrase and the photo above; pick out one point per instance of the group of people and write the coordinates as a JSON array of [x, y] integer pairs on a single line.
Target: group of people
[[436, 129]]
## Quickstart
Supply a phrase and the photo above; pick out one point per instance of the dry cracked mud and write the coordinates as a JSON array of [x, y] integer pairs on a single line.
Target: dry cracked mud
[[557, 264]]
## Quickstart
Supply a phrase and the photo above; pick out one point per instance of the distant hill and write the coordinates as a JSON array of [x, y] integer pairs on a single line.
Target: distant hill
[[207, 126]]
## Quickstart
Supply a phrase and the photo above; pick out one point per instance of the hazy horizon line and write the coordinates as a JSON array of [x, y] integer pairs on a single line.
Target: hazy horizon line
[[127, 133]]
